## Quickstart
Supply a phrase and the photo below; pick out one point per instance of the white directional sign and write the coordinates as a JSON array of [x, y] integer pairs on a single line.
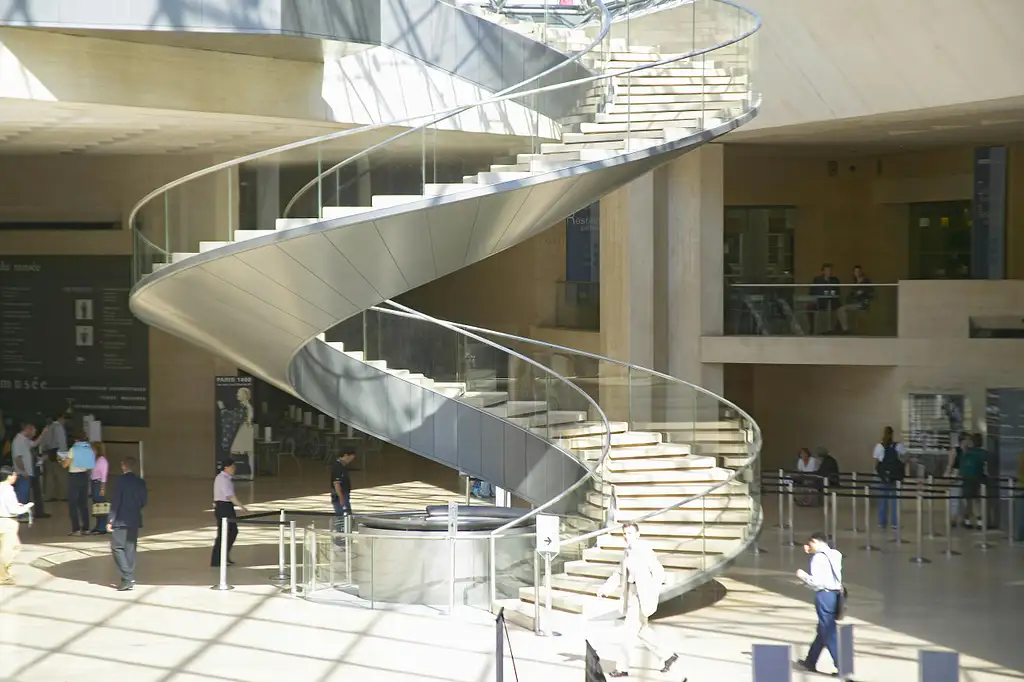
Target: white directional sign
[[547, 533]]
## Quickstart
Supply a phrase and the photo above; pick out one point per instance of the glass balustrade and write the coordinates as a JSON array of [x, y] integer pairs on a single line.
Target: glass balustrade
[[811, 309]]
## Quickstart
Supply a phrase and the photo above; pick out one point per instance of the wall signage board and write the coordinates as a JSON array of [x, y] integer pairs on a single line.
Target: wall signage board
[[1004, 420], [68, 340], [548, 531], [988, 233], [233, 421]]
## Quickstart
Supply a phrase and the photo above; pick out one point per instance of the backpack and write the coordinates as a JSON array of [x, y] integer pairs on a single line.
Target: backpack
[[890, 469], [972, 463]]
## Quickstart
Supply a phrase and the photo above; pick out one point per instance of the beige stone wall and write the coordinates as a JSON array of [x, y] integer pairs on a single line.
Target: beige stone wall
[[180, 439]]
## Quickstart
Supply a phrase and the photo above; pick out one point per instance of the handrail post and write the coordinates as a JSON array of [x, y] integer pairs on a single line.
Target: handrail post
[[949, 552], [547, 629], [142, 461], [825, 498], [348, 548], [853, 504], [792, 524], [782, 511], [291, 550], [493, 569], [835, 515], [536, 594], [281, 577]]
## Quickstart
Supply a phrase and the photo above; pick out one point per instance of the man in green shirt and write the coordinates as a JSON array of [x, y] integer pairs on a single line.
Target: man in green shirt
[[972, 470]]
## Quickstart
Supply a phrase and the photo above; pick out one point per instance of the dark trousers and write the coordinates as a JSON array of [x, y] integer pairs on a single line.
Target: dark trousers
[[101, 519], [21, 489], [223, 510], [887, 503], [825, 604], [78, 500], [123, 542], [36, 483]]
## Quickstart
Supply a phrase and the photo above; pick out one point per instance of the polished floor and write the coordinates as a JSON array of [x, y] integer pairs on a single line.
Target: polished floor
[[65, 622]]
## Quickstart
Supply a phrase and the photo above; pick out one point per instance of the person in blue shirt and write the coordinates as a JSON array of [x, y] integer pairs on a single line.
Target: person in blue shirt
[[80, 462], [826, 579]]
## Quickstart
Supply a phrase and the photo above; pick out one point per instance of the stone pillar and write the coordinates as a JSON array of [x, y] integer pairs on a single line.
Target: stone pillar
[[268, 196], [693, 271], [627, 296]]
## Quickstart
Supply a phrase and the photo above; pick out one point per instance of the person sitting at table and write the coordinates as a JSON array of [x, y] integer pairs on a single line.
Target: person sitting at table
[[825, 291], [806, 464], [859, 298]]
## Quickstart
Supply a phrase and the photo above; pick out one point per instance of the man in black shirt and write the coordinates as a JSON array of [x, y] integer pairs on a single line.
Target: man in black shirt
[[826, 294], [341, 485]]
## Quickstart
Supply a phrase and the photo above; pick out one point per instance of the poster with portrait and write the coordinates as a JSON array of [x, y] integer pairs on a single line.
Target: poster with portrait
[[235, 433]]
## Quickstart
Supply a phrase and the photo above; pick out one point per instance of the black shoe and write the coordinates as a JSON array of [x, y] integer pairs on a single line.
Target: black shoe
[[126, 586], [74, 533], [618, 673], [806, 666], [669, 662]]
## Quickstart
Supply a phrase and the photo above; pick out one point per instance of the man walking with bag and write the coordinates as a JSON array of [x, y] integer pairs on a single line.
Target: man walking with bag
[[643, 575], [826, 579]]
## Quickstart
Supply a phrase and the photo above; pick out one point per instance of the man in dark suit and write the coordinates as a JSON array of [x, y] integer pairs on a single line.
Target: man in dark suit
[[125, 520]]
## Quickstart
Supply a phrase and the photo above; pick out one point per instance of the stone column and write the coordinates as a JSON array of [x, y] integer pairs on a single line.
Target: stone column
[[268, 196]]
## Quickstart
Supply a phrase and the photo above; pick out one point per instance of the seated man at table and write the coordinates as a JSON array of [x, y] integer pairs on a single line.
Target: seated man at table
[[859, 298], [826, 294]]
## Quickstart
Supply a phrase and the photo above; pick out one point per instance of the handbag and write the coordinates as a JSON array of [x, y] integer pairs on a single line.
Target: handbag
[[101, 509], [841, 601]]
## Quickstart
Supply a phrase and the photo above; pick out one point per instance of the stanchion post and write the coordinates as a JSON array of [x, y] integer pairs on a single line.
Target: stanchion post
[[281, 577], [536, 588], [984, 545], [853, 504], [348, 548], [223, 584], [548, 631], [825, 498], [949, 551], [835, 515], [868, 547], [291, 558], [782, 502], [792, 525], [898, 536], [919, 557], [931, 509]]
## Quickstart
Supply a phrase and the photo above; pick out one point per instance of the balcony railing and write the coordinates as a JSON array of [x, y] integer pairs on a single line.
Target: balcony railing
[[578, 305], [811, 309]]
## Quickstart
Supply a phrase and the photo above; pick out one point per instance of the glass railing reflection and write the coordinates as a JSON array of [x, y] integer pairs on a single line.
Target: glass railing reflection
[[811, 309], [578, 305]]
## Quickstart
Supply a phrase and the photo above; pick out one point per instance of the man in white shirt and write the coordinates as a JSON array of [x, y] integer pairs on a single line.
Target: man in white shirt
[[23, 459], [10, 510], [826, 579], [643, 575]]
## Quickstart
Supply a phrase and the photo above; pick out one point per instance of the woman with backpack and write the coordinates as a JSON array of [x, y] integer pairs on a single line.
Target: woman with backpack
[[890, 466]]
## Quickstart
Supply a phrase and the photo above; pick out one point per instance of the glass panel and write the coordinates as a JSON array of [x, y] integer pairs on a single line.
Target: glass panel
[[812, 309]]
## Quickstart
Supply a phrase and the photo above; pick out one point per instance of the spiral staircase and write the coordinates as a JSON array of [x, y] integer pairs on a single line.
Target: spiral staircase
[[307, 306]]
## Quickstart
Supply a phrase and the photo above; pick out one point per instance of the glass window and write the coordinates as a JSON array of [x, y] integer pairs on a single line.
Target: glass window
[[940, 240]]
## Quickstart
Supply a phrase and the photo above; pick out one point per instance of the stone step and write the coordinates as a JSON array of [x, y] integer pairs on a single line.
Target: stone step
[[708, 448], [210, 246], [688, 463], [334, 212], [622, 439], [570, 602], [442, 188], [601, 571], [575, 138], [389, 200], [672, 70], [696, 544], [292, 223], [245, 235], [682, 515], [179, 256], [556, 418], [635, 143], [655, 528], [626, 91], [634, 108], [670, 560], [616, 118], [576, 431], [682, 476], [737, 501], [640, 99], [497, 178], [676, 490], [633, 127], [484, 398], [518, 408], [580, 155], [654, 77], [644, 452]]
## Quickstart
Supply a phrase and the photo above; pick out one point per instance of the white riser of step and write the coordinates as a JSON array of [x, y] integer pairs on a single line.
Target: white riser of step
[[403, 373], [634, 57], [634, 145], [292, 223], [684, 126], [333, 212], [679, 490], [177, 257], [210, 246], [699, 545], [158, 267], [707, 448], [599, 571], [441, 189], [629, 439], [389, 200], [376, 364], [657, 464], [638, 99], [576, 584], [681, 476], [568, 601], [496, 178], [484, 398], [577, 155], [666, 450], [624, 93], [733, 461], [655, 529], [672, 70], [518, 408], [650, 117], [589, 429], [244, 235], [693, 80], [654, 502], [635, 108], [576, 138], [449, 389], [612, 558], [693, 516]]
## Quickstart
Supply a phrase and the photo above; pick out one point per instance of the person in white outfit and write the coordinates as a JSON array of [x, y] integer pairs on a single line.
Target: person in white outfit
[[10, 510], [643, 575], [826, 579]]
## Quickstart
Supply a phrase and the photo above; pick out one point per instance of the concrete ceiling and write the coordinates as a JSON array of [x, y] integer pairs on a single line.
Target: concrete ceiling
[[35, 127], [980, 123]]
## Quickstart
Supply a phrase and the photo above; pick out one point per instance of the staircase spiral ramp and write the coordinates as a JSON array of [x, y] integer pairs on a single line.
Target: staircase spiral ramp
[[600, 444]]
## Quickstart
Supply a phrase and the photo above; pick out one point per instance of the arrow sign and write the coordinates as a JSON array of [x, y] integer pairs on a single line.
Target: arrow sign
[[548, 533]]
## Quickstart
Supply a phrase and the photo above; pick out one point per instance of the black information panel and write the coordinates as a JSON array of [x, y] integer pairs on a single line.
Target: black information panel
[[69, 341]]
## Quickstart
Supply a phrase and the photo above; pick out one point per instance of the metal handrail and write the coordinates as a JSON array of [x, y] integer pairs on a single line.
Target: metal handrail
[[515, 95], [755, 444], [405, 311], [847, 285]]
